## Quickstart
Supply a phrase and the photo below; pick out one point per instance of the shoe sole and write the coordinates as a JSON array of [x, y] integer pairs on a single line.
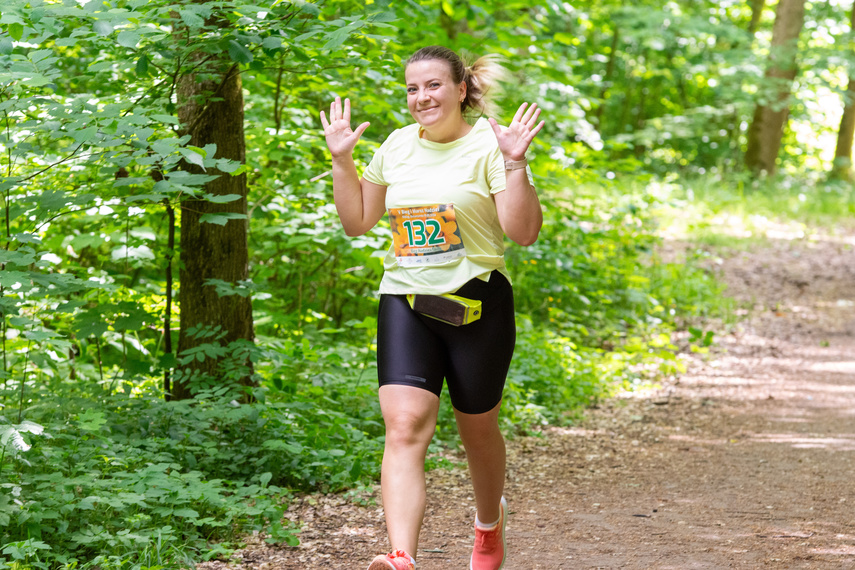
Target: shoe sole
[[504, 512]]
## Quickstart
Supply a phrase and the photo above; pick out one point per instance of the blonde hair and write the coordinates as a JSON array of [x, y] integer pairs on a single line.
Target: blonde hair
[[482, 77]]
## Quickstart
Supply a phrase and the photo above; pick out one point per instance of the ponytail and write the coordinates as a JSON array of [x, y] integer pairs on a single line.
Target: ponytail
[[482, 77]]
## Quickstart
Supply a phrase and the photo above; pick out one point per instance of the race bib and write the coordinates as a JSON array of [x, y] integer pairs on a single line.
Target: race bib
[[426, 235]]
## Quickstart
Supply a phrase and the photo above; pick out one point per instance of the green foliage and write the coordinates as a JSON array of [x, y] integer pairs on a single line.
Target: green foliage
[[734, 211], [96, 470]]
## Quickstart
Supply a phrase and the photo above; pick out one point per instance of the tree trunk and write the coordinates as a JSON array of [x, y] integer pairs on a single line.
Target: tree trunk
[[212, 111], [756, 13], [608, 79], [767, 127], [842, 168]]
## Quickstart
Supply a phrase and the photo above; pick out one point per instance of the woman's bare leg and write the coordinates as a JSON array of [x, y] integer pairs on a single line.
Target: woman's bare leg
[[485, 453], [410, 417]]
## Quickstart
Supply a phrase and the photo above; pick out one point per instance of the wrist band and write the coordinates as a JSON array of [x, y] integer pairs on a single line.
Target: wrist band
[[515, 164]]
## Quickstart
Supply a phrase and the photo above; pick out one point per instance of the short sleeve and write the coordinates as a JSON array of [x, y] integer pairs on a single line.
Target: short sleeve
[[496, 171], [374, 171]]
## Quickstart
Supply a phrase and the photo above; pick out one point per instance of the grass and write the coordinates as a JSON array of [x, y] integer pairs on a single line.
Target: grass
[[733, 213]]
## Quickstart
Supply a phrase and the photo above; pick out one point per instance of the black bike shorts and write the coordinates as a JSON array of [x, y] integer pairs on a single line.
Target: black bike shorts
[[415, 350]]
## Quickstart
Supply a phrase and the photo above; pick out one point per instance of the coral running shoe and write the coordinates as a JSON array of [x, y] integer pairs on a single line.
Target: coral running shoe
[[489, 551], [395, 560]]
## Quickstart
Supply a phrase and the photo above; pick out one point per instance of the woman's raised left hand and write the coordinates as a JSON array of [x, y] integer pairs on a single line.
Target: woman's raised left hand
[[515, 140]]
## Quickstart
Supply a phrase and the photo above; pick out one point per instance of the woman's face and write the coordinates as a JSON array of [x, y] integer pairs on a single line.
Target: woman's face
[[433, 97]]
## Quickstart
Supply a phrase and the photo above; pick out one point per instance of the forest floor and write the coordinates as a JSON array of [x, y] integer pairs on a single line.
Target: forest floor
[[745, 461]]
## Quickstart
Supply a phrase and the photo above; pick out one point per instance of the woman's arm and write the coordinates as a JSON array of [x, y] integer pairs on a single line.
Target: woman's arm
[[517, 206], [519, 209], [360, 204]]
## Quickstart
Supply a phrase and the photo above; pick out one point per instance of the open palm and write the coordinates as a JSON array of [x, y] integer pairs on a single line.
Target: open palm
[[341, 139], [515, 140]]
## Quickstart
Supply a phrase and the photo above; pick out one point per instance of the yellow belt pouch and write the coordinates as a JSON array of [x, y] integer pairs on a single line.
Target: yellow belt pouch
[[450, 309]]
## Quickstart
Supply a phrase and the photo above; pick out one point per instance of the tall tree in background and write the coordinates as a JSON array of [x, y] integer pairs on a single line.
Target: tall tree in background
[[842, 168], [211, 110], [770, 115], [756, 14]]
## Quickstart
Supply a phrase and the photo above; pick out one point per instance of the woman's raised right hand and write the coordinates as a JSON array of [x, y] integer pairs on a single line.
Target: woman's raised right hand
[[341, 139]]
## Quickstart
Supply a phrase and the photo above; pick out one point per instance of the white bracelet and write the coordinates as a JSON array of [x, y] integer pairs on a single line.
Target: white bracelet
[[515, 164]]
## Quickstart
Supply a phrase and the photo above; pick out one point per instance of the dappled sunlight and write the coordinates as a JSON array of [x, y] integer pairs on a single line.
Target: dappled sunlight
[[696, 440], [579, 432], [840, 442], [791, 420], [841, 367], [836, 442], [843, 550]]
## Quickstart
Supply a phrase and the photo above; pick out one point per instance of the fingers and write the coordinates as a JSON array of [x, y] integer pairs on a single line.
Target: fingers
[[536, 130], [496, 130], [346, 115], [530, 115], [532, 121], [324, 122], [519, 112], [361, 129]]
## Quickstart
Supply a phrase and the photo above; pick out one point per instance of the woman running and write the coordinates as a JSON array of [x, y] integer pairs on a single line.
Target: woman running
[[453, 189]]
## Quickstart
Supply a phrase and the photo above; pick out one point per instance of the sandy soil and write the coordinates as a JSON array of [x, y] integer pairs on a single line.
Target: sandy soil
[[746, 461]]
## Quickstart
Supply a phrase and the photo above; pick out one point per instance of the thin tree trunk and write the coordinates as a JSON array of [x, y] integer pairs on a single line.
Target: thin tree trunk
[[767, 126], [607, 80], [842, 168], [756, 14], [213, 111], [167, 317]]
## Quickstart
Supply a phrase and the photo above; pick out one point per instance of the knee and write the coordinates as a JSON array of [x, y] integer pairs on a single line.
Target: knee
[[475, 434], [406, 429]]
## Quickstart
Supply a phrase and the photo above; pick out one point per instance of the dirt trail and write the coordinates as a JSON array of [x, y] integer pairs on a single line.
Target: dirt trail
[[746, 461]]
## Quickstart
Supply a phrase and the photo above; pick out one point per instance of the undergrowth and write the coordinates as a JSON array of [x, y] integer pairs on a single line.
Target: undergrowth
[[97, 471], [737, 212]]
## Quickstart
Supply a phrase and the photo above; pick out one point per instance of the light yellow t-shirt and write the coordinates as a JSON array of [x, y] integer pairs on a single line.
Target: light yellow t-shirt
[[443, 217]]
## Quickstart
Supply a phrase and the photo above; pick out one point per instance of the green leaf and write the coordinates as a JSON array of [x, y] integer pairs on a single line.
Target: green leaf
[[16, 31], [128, 324], [10, 436], [165, 146], [103, 28], [87, 328], [193, 157], [91, 420], [84, 135], [168, 361], [189, 513], [239, 53], [230, 166], [39, 336], [221, 199], [6, 45], [192, 19], [142, 66], [278, 444], [36, 81], [272, 43], [222, 218], [128, 39], [169, 119]]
